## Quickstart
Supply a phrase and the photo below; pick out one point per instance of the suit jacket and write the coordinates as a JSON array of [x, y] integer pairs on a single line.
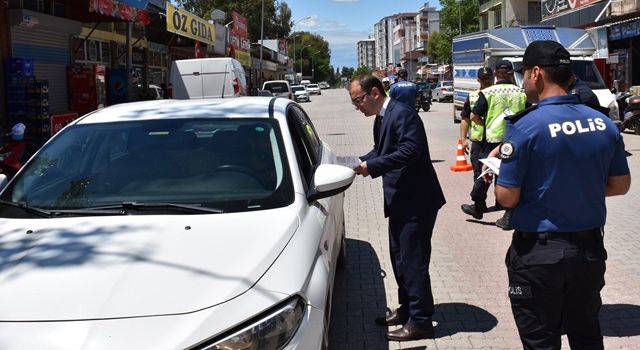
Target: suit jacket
[[401, 156]]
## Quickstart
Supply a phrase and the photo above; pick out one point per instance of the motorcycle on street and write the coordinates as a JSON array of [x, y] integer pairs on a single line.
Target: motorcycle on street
[[629, 107], [423, 100]]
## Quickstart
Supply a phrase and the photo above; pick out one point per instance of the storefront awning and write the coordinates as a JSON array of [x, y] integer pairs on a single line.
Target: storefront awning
[[577, 18]]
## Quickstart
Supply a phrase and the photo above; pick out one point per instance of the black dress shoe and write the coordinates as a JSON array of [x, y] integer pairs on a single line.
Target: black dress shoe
[[411, 332], [395, 318], [476, 209]]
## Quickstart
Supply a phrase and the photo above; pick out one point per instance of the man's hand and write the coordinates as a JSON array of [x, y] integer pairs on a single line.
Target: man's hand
[[362, 169], [488, 177]]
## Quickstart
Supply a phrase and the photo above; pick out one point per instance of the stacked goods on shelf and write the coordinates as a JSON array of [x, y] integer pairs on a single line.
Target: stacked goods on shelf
[[18, 75], [37, 117]]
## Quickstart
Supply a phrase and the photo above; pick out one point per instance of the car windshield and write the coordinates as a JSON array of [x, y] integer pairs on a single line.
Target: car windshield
[[276, 87], [585, 70], [447, 83], [232, 164], [312, 86], [297, 88]]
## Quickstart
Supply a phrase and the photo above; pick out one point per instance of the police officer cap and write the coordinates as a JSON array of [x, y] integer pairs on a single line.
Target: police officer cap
[[484, 71], [402, 73], [545, 53], [505, 65]]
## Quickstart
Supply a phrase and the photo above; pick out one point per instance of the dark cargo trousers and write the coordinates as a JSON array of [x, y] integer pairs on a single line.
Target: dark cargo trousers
[[555, 280]]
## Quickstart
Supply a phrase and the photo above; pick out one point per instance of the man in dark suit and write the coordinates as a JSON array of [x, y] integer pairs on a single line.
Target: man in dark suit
[[412, 198]]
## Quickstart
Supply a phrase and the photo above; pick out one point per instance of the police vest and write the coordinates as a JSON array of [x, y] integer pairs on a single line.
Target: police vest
[[477, 130], [502, 100]]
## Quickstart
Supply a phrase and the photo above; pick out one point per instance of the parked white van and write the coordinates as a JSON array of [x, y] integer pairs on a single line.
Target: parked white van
[[207, 78]]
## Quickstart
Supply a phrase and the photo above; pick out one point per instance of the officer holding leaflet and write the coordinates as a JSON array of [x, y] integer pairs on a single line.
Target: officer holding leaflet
[[560, 159]]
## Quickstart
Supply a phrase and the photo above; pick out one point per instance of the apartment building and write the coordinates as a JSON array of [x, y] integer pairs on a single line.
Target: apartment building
[[367, 53]]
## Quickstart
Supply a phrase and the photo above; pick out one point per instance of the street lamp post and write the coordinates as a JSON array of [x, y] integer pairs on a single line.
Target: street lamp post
[[261, 42], [313, 66], [294, 45], [226, 37], [301, 59]]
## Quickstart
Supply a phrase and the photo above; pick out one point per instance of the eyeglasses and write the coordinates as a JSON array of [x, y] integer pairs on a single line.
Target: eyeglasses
[[358, 100]]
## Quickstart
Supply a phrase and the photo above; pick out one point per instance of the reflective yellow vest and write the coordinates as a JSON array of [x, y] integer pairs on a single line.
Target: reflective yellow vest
[[503, 100]]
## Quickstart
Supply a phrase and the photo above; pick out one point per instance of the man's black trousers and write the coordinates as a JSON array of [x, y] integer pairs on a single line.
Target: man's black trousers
[[410, 250], [474, 156], [480, 188], [555, 280]]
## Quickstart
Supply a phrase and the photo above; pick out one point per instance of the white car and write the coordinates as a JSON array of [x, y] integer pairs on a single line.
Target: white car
[[314, 89], [300, 93], [199, 224], [443, 91]]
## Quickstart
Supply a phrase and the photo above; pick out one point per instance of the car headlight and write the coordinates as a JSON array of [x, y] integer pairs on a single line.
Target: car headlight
[[269, 331], [613, 111]]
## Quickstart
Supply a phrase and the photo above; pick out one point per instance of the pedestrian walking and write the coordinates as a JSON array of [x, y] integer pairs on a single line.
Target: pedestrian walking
[[560, 159], [412, 198], [472, 133], [404, 90], [494, 104]]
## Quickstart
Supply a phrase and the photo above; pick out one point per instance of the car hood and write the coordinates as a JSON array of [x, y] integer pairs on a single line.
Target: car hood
[[131, 266]]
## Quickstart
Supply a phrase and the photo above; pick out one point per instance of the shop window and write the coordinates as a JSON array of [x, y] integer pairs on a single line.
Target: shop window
[[92, 51], [497, 17], [534, 12], [58, 9], [78, 49], [31, 4], [106, 52]]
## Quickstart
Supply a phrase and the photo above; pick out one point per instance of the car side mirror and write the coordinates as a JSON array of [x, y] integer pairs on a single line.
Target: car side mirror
[[614, 90], [329, 180], [3, 181]]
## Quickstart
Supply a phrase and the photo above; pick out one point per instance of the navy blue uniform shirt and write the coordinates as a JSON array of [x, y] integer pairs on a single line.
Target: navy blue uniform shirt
[[404, 91], [562, 154]]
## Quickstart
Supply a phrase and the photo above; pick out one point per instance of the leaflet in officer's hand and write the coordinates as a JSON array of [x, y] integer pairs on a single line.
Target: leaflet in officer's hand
[[493, 165], [348, 161]]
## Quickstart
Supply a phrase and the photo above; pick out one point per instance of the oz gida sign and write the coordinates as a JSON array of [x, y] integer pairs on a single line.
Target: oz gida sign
[[186, 24]]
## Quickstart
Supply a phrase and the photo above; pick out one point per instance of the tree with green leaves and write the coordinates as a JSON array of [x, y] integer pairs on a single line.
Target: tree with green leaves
[[277, 16], [361, 71], [455, 15], [310, 48]]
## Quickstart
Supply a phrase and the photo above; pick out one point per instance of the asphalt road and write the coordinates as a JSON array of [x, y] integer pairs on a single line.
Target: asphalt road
[[467, 267]]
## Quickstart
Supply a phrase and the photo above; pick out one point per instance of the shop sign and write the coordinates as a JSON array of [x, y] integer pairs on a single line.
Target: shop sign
[[624, 30], [188, 25], [139, 4], [282, 47], [59, 121], [240, 24], [239, 40], [599, 37], [29, 21], [553, 7]]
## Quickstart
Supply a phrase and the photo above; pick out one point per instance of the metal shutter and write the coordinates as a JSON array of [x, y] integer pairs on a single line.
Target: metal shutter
[[50, 54]]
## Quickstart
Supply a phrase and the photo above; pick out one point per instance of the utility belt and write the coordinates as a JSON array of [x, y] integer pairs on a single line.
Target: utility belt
[[561, 236]]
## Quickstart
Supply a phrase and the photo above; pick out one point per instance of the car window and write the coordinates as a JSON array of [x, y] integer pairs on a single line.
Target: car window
[[276, 87], [447, 83], [297, 88], [232, 164], [306, 142], [313, 86]]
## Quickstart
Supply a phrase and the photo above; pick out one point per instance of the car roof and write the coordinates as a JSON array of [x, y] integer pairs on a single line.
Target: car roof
[[238, 107]]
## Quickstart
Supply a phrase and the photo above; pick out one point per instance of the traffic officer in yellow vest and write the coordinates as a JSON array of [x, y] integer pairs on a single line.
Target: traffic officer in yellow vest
[[494, 104], [475, 131]]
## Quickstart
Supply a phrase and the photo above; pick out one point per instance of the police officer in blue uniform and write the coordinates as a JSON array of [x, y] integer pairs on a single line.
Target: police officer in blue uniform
[[403, 90], [559, 161]]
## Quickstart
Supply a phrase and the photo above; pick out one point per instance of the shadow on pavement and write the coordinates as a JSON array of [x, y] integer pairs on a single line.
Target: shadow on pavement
[[620, 320], [358, 298], [453, 318]]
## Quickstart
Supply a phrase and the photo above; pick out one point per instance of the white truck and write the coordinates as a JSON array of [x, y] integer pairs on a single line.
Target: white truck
[[474, 50]]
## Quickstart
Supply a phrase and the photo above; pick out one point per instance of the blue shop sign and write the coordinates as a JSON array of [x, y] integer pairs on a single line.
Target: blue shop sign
[[139, 4], [624, 30]]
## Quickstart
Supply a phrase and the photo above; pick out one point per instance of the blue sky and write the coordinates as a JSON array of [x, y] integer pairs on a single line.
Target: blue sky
[[344, 22]]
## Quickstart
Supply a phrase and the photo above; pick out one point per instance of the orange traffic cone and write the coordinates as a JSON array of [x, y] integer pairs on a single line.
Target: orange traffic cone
[[461, 162]]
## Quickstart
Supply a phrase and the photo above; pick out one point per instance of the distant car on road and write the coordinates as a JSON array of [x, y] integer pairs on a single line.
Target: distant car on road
[[174, 224], [443, 91], [300, 93], [314, 89], [323, 85], [279, 88]]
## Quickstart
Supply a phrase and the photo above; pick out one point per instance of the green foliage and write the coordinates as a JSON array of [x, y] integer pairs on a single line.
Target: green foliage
[[459, 12], [310, 48], [454, 15], [439, 47], [361, 71], [277, 16], [346, 73]]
